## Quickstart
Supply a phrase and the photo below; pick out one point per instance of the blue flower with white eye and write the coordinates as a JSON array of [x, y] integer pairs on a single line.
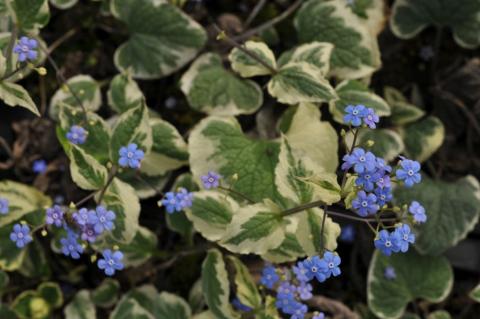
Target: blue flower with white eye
[[312, 264], [4, 206], [365, 204], [111, 262], [367, 180], [389, 273], [88, 233], [211, 180], [101, 219], [360, 160], [25, 48], [70, 245], [299, 310], [39, 166], [418, 212], [404, 237], [81, 217], [386, 242], [300, 272], [354, 114], [409, 172], [54, 216], [21, 235], [77, 135], [304, 291], [130, 156], [329, 264], [269, 277], [384, 195], [371, 118]]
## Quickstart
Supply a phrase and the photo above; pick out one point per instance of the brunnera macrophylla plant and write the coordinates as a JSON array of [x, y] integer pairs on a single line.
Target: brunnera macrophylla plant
[[279, 198]]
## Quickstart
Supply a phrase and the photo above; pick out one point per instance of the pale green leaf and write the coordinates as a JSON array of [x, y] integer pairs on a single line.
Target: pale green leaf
[[86, 171], [81, 307], [388, 144], [417, 277], [212, 89], [128, 309], [52, 293], [475, 293], [247, 291], [315, 53], [29, 15], [124, 93], [215, 286], [423, 138], [63, 4], [195, 297], [298, 82], [410, 17], [355, 54], [289, 250], [247, 66], [439, 314], [162, 38], [105, 295], [452, 211], [29, 305], [15, 95]]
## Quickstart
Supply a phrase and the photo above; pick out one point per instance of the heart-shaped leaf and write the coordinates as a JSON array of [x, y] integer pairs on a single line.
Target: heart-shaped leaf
[[29, 15], [81, 307], [246, 65], [423, 138]]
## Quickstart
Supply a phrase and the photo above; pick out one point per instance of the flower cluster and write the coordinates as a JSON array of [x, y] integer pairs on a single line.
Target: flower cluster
[[130, 156], [93, 223], [395, 241], [358, 114], [177, 201], [77, 135], [25, 48]]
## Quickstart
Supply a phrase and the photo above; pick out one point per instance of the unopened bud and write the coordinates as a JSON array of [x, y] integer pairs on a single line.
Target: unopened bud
[[44, 233], [370, 143], [41, 71], [343, 133], [72, 205], [221, 36], [235, 176], [93, 258]]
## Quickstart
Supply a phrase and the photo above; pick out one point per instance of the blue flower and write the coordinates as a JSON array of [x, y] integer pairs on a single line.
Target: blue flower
[[360, 160], [54, 216], [404, 237], [367, 180], [384, 195], [81, 217], [184, 197], [101, 219], [304, 291], [382, 167], [386, 242], [269, 277], [111, 262], [4, 206], [285, 303], [354, 115], [371, 118], [384, 182], [313, 266], [329, 264], [39, 166], [389, 273], [318, 315], [88, 233], [70, 245], [418, 212], [347, 233], [176, 202], [130, 156], [299, 310], [20, 235], [77, 135], [211, 180], [25, 48], [409, 172], [365, 204], [300, 272], [240, 306]]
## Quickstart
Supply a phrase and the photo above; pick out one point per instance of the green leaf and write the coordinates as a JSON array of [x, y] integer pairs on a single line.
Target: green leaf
[[423, 138], [124, 93], [298, 82], [425, 277], [4, 279], [452, 211], [162, 38], [145, 186], [247, 291], [29, 15], [129, 308], [63, 4], [168, 152], [6, 313], [255, 229], [410, 17], [475, 293], [439, 314], [315, 53], [98, 138], [51, 292], [132, 126], [289, 250], [22, 200], [85, 88], [120, 197], [29, 305], [355, 54], [211, 89], [247, 66], [388, 143], [310, 137], [211, 213], [195, 297], [218, 144], [215, 286], [15, 95], [81, 307], [106, 294], [354, 93], [35, 264]]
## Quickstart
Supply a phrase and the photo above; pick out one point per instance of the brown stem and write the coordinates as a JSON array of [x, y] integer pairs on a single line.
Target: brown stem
[[254, 13]]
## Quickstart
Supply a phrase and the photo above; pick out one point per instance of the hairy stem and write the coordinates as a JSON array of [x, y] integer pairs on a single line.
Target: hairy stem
[[234, 192]]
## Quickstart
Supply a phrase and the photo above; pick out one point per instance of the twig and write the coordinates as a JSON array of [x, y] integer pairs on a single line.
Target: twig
[[270, 23], [251, 54], [337, 308], [7, 147], [113, 172], [254, 13], [61, 40], [236, 193]]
